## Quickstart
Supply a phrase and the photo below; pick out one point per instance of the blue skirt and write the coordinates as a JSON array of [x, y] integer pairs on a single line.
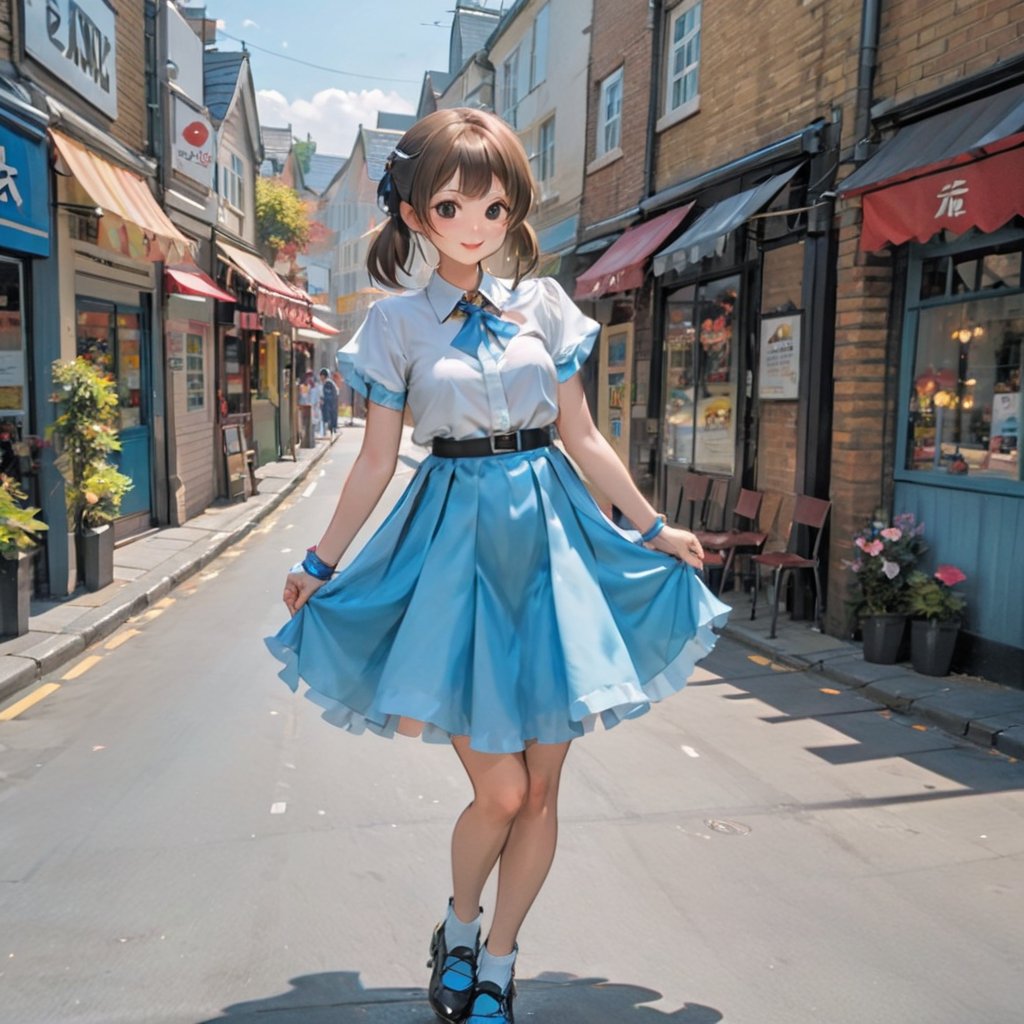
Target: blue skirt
[[498, 602]]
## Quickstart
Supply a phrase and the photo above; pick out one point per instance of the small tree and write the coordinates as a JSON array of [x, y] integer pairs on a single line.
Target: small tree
[[85, 434], [281, 218]]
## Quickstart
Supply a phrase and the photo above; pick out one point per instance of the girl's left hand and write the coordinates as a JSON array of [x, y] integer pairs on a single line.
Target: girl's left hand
[[680, 544]]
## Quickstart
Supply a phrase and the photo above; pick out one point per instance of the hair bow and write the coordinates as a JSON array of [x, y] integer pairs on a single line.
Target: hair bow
[[388, 198]]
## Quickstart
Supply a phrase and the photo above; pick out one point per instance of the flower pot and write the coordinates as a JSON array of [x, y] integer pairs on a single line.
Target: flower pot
[[931, 645], [883, 635], [15, 594], [97, 556]]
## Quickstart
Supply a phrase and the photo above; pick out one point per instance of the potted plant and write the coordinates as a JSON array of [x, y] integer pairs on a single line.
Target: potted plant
[[886, 554], [19, 529], [936, 610], [85, 434]]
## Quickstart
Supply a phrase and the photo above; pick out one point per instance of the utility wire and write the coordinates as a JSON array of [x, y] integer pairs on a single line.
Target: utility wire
[[319, 67]]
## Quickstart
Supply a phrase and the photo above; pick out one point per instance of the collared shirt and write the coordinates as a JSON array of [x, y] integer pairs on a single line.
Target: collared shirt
[[403, 353]]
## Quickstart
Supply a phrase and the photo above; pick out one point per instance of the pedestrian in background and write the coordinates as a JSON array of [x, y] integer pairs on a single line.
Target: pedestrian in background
[[316, 405], [305, 401], [496, 609], [328, 403]]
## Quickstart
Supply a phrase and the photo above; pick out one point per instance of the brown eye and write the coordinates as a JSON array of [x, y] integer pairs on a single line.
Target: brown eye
[[445, 209], [496, 211]]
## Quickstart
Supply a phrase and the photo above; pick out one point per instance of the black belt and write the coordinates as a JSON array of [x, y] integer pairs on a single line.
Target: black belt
[[496, 444]]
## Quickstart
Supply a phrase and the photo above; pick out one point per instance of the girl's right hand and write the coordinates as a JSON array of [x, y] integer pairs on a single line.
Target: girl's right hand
[[299, 587]]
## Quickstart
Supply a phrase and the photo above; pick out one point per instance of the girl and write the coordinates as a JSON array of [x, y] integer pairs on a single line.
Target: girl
[[496, 608]]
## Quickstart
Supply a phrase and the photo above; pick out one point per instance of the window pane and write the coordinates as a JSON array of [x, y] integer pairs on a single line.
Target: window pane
[[13, 381], [965, 405], [195, 378], [1001, 270], [965, 274], [934, 277], [680, 334], [715, 425]]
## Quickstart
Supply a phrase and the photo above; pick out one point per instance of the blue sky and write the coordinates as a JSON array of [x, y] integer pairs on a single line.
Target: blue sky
[[383, 45]]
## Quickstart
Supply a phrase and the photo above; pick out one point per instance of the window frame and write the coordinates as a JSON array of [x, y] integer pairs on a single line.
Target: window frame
[[510, 87], [616, 78], [539, 31], [542, 151], [913, 305], [233, 180], [688, 105]]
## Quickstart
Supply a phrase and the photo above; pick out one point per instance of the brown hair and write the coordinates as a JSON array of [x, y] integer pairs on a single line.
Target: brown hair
[[477, 146]]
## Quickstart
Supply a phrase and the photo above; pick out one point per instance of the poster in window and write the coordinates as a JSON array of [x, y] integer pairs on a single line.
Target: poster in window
[[779, 366]]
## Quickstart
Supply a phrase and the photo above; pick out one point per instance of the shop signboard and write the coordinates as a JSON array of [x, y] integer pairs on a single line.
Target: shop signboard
[[76, 40], [192, 145], [24, 194]]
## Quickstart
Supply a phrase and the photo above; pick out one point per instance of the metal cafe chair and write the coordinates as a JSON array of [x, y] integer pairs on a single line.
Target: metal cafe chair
[[811, 513], [721, 547]]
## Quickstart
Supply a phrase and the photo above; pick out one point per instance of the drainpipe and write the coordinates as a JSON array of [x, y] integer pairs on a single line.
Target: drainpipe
[[655, 20], [868, 62]]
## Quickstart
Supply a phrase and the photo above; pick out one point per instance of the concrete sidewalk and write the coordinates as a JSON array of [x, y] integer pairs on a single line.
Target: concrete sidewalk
[[147, 569], [983, 712]]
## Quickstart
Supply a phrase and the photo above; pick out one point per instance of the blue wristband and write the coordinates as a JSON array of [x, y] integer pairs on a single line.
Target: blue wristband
[[315, 566], [654, 530]]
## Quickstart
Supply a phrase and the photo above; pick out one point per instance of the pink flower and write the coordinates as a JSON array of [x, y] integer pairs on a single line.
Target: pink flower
[[874, 548], [950, 575], [892, 533], [891, 569], [861, 543]]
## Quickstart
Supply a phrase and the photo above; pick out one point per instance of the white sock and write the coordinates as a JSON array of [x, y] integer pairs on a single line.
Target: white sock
[[496, 969], [460, 933]]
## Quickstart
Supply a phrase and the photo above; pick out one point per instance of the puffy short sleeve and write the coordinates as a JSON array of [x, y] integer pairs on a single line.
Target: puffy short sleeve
[[373, 362], [569, 335]]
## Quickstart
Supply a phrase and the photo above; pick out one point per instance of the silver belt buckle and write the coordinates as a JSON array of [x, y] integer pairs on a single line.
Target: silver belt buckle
[[495, 449]]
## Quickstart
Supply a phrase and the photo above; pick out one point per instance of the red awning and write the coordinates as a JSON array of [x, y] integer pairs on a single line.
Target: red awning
[[274, 296], [190, 280], [985, 193], [323, 327], [621, 267]]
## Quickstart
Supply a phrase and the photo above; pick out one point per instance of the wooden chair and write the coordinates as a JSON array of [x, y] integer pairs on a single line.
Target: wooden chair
[[811, 513], [721, 547], [695, 491]]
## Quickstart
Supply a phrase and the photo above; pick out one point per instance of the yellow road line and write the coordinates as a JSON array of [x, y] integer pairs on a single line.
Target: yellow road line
[[759, 659], [26, 702], [114, 642], [165, 603], [151, 614], [82, 667]]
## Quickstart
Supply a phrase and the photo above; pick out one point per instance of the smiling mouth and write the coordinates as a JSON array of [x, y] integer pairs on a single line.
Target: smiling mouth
[[471, 245]]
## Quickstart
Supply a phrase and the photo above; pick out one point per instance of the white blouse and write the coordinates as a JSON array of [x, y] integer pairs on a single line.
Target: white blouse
[[403, 352]]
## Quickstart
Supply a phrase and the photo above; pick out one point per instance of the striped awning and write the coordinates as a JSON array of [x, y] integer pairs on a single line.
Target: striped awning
[[131, 221], [274, 295]]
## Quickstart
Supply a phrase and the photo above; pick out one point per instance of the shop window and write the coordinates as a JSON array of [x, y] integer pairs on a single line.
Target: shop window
[[195, 373], [13, 380], [235, 374], [110, 337], [965, 402], [700, 377], [609, 124]]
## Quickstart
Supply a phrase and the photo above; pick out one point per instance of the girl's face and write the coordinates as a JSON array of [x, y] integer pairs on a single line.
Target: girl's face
[[464, 229]]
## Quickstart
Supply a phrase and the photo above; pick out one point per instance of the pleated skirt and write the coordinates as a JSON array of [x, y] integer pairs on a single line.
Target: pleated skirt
[[496, 601]]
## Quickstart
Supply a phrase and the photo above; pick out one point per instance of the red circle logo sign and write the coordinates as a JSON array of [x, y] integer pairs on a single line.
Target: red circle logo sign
[[195, 134]]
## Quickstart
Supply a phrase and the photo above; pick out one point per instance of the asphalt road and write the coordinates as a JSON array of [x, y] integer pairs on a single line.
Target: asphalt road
[[182, 840]]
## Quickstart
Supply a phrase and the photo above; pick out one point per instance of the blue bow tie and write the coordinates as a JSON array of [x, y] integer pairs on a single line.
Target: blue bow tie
[[480, 328]]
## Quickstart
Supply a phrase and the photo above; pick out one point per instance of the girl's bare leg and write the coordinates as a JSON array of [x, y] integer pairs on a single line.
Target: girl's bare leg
[[530, 847], [500, 785]]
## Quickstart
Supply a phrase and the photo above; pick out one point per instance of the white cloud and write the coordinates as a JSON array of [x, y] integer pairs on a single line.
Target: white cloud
[[331, 117], [249, 23]]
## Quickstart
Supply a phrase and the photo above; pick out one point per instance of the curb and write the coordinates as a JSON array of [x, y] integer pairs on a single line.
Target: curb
[[988, 716], [19, 671]]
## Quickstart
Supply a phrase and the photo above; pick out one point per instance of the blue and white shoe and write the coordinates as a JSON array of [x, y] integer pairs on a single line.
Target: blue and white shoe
[[453, 977], [491, 1005]]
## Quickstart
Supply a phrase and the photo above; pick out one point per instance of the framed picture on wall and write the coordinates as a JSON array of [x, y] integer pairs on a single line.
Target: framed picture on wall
[[778, 376]]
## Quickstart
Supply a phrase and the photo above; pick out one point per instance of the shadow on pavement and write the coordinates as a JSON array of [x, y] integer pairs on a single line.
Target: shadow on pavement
[[339, 998]]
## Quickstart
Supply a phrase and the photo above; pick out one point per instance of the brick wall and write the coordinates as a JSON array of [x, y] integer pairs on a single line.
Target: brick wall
[[6, 31], [926, 44], [767, 69], [130, 126], [620, 185]]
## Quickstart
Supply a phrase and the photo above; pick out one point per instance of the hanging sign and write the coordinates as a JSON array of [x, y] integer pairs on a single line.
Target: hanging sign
[[192, 145]]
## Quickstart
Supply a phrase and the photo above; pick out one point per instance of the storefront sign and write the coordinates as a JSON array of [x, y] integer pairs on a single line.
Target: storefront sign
[[779, 372], [76, 40], [192, 145], [24, 194], [984, 194]]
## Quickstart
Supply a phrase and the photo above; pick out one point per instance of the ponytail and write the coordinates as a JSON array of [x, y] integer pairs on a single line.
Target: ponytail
[[390, 252], [523, 249]]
